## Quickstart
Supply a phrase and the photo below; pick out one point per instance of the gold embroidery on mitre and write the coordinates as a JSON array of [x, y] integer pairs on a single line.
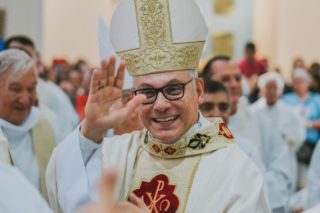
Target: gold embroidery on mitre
[[157, 52]]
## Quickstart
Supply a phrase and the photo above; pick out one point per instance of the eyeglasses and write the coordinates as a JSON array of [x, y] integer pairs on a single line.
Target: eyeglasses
[[171, 92], [223, 106]]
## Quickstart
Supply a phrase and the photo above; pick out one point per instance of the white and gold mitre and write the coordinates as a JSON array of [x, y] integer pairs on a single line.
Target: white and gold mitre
[[158, 35]]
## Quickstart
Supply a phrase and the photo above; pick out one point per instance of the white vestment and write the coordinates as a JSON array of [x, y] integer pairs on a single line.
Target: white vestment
[[20, 146], [275, 152], [290, 125], [17, 194], [313, 179], [29, 146], [309, 197], [226, 180], [55, 98]]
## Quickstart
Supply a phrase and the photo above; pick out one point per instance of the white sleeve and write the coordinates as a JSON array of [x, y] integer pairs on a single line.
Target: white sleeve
[[17, 194], [313, 178], [73, 173], [277, 163]]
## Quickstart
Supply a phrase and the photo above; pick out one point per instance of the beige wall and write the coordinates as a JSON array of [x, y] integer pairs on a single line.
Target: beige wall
[[70, 28], [24, 17], [284, 29]]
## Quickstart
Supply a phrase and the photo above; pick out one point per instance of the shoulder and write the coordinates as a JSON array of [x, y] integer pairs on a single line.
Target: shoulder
[[231, 163]]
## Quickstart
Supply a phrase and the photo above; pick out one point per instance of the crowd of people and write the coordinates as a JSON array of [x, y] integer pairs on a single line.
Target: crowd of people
[[233, 137]]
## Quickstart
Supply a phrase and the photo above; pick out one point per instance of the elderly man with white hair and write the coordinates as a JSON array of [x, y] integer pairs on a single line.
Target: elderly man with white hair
[[284, 119], [30, 137]]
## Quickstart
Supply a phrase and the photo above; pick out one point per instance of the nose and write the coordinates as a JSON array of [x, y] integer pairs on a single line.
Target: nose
[[214, 112], [233, 83], [25, 98], [161, 104]]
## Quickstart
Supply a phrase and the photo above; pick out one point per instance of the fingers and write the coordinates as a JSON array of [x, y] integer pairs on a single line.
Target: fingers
[[134, 103], [106, 189], [135, 200], [94, 83], [111, 70], [120, 75]]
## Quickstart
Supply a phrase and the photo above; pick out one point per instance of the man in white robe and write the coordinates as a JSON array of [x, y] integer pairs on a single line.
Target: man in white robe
[[283, 118], [257, 128], [30, 138], [216, 103], [181, 162], [49, 95], [17, 194]]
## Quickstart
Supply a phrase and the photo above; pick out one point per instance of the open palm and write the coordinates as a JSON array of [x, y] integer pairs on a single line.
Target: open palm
[[104, 109]]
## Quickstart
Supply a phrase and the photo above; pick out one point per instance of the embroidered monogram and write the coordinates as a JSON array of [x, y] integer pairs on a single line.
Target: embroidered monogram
[[158, 195]]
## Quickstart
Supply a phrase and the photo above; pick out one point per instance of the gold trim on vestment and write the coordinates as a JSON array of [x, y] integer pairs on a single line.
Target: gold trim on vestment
[[206, 139]]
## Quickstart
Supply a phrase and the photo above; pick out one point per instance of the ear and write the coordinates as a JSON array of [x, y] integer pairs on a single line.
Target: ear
[[200, 89]]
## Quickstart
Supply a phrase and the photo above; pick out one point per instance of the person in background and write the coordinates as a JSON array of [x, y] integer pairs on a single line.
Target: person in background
[[49, 94], [216, 103], [252, 68], [290, 125], [30, 136], [307, 105], [315, 77], [258, 129]]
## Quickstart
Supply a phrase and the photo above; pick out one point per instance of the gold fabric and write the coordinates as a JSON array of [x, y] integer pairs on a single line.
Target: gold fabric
[[207, 139], [164, 173], [43, 140], [157, 52]]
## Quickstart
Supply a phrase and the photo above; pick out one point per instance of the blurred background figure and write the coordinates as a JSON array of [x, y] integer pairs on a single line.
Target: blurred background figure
[[283, 118], [307, 105], [216, 103], [30, 136], [256, 128], [48, 93], [252, 68]]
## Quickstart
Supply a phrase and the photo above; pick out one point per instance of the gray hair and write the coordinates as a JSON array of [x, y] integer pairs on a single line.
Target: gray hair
[[15, 61]]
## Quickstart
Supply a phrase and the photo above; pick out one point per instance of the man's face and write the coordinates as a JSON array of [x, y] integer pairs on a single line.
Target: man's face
[[271, 92], [250, 54], [301, 86], [216, 105], [230, 76], [168, 120], [17, 96]]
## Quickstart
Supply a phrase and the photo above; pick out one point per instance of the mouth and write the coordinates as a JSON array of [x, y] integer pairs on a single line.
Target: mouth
[[166, 120], [21, 108]]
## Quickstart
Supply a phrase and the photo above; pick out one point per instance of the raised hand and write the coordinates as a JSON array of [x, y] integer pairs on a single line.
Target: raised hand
[[104, 109]]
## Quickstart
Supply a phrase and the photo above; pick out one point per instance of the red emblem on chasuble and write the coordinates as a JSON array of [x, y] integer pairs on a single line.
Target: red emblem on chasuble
[[224, 131], [158, 195]]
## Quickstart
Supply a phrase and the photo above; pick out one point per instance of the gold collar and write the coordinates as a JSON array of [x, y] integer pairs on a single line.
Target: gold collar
[[207, 139]]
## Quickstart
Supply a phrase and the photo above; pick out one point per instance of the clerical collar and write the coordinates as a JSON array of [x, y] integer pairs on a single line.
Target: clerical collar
[[28, 124], [203, 137]]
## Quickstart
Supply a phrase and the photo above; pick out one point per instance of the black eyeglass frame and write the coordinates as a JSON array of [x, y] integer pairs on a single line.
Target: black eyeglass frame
[[162, 90]]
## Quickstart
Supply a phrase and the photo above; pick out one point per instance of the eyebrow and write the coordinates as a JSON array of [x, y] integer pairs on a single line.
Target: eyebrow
[[172, 81]]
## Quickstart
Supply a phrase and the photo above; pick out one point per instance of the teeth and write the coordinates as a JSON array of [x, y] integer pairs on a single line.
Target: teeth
[[165, 119]]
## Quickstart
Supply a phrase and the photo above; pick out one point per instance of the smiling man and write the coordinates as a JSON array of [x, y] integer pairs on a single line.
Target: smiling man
[[180, 162], [30, 136]]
